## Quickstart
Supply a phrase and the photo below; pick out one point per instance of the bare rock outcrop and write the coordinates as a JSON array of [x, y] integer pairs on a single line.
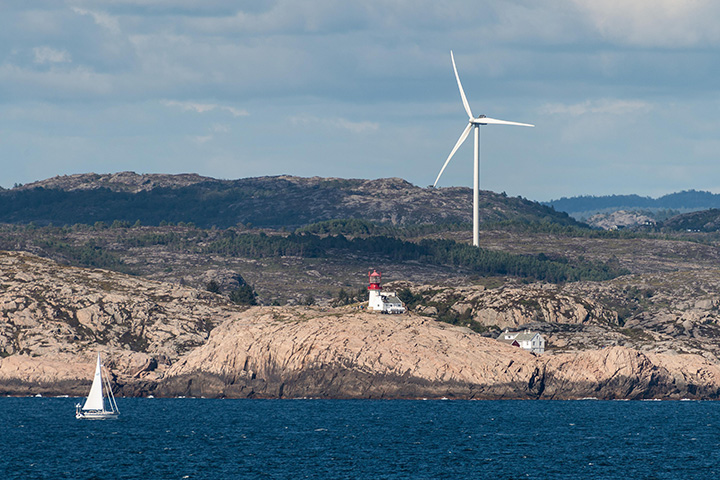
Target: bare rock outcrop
[[299, 353], [52, 314], [164, 339], [620, 219], [276, 352], [117, 182], [512, 306]]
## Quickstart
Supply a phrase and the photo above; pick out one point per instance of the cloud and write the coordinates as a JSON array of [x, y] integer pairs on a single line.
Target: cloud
[[101, 19], [51, 55], [603, 107], [654, 23], [236, 112], [205, 107], [340, 123], [183, 71]]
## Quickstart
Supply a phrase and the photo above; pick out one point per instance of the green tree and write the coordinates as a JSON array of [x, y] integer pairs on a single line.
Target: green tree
[[411, 300], [212, 286], [244, 295]]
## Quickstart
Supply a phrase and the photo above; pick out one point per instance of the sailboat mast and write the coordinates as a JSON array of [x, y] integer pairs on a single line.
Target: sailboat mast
[[111, 396]]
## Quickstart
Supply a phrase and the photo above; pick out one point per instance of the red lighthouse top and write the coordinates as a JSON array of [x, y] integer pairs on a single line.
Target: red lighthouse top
[[374, 280]]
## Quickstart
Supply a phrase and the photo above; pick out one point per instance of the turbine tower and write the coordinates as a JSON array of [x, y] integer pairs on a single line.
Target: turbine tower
[[476, 123]]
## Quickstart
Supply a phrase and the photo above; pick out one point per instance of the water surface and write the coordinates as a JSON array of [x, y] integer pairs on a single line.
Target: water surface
[[368, 439]]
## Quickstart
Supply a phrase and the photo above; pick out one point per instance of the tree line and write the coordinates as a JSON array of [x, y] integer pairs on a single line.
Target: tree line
[[431, 251]]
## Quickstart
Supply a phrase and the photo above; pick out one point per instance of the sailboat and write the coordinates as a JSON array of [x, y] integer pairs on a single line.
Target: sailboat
[[95, 405]]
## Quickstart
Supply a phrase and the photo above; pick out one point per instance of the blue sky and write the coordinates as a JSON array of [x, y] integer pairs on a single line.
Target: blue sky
[[624, 94]]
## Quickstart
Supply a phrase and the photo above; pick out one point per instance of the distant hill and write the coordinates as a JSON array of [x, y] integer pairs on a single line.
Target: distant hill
[[700, 221], [680, 202], [280, 201]]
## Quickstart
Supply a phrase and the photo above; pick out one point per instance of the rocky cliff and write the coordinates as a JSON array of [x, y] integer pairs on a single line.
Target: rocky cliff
[[305, 353], [164, 339], [53, 320]]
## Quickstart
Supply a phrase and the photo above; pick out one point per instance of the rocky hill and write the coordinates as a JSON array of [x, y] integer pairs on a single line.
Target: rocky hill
[[116, 182], [620, 219], [281, 201], [165, 339], [702, 221]]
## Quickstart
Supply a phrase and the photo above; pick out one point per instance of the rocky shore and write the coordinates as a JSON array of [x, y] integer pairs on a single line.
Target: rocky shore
[[167, 340], [275, 353]]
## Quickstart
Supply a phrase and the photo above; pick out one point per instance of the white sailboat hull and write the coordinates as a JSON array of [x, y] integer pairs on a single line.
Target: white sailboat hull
[[102, 415]]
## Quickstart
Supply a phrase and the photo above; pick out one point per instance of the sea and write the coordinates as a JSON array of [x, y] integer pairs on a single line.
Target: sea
[[186, 438]]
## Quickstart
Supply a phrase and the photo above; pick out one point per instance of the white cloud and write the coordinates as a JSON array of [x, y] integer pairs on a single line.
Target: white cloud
[[236, 112], [607, 74], [190, 106], [100, 18], [603, 106], [340, 123], [51, 55], [205, 107], [654, 23]]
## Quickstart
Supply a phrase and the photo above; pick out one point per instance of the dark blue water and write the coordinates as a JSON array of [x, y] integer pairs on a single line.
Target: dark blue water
[[333, 439]]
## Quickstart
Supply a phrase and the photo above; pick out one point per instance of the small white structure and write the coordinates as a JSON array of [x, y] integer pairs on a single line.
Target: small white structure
[[527, 340], [379, 301]]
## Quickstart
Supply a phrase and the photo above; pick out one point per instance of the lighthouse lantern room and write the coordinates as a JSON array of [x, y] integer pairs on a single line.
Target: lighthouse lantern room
[[379, 301]]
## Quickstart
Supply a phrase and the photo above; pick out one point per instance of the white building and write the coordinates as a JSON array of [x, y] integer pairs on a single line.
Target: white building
[[527, 340], [379, 301]]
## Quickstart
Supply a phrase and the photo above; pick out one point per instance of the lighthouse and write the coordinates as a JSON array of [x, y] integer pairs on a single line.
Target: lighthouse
[[374, 290], [379, 301]]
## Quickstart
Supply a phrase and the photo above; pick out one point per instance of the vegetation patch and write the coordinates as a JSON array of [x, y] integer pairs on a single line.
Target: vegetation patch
[[636, 334], [439, 252]]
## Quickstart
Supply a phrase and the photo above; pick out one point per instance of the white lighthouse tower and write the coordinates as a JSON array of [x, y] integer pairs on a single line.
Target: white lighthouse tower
[[379, 301], [374, 289]]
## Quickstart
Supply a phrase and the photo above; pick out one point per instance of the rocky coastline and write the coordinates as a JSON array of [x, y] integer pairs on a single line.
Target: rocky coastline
[[166, 340]]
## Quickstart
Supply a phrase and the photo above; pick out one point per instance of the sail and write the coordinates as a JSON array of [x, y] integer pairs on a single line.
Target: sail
[[95, 398]]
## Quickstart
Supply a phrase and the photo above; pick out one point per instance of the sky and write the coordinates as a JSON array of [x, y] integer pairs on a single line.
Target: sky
[[624, 94]]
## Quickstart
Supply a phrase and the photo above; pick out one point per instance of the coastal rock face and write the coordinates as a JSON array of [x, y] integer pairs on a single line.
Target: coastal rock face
[[276, 352], [54, 318], [280, 353], [163, 339]]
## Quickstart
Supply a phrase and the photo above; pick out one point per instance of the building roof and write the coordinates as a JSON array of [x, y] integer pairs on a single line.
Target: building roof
[[524, 336]]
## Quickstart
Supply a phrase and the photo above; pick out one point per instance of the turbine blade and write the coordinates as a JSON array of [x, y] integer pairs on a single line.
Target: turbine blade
[[462, 92], [495, 121], [460, 141]]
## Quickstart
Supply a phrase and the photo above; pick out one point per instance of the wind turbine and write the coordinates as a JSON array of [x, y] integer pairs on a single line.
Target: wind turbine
[[476, 123]]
